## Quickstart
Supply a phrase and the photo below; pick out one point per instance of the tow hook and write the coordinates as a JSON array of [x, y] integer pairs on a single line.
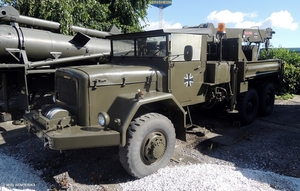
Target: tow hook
[[46, 145], [31, 129]]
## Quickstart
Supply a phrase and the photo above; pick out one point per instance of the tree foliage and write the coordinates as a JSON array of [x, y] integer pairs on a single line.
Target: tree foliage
[[291, 79], [93, 14], [286, 55]]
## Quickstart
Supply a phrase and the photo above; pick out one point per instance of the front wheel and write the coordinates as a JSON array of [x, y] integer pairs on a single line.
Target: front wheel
[[248, 106], [149, 146]]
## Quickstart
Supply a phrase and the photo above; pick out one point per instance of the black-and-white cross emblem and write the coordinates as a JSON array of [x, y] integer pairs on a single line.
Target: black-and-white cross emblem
[[188, 80]]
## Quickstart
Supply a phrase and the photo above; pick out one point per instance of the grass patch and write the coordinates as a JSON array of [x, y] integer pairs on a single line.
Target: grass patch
[[285, 96]]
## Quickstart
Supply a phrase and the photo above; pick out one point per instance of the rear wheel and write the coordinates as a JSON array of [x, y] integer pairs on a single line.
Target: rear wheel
[[266, 95], [150, 145], [248, 106]]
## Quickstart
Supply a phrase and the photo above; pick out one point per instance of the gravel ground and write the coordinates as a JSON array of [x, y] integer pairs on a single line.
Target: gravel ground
[[266, 159], [17, 175]]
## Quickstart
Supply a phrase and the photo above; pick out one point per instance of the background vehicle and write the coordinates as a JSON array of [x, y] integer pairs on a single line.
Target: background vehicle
[[29, 57], [143, 98]]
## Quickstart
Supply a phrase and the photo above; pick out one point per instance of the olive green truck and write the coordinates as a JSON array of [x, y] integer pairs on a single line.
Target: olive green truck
[[142, 99]]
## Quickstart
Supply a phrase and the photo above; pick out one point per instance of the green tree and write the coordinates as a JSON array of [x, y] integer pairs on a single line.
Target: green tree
[[93, 14], [291, 78]]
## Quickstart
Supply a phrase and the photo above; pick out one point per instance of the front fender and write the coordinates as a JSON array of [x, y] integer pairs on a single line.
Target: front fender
[[126, 106]]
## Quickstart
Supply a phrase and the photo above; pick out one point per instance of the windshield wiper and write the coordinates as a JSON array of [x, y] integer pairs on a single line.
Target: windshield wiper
[[155, 53], [126, 53]]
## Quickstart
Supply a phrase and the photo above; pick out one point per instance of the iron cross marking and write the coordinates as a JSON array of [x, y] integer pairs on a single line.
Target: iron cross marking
[[188, 80]]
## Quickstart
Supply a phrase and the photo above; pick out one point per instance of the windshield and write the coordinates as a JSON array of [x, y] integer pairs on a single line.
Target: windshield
[[141, 47]]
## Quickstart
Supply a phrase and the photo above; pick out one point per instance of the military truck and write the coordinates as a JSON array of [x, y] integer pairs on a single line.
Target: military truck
[[142, 99]]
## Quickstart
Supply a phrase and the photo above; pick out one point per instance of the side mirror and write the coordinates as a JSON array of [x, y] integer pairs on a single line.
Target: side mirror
[[188, 53]]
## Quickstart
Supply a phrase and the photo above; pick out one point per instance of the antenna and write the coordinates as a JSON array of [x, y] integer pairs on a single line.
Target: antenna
[[161, 5]]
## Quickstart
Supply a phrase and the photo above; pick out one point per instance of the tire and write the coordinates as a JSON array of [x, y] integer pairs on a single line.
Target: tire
[[149, 146], [248, 106], [266, 95]]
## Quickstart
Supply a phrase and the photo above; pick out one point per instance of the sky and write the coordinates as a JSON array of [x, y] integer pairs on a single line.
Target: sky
[[282, 16]]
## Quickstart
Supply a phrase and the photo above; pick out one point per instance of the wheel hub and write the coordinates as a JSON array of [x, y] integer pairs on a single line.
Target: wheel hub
[[154, 147], [268, 99], [157, 150], [250, 107]]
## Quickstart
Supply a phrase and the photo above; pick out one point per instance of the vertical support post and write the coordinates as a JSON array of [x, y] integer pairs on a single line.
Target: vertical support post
[[26, 100], [5, 92], [221, 36], [234, 88]]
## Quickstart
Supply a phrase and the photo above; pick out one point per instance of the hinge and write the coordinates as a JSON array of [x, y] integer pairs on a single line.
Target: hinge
[[98, 82], [171, 64]]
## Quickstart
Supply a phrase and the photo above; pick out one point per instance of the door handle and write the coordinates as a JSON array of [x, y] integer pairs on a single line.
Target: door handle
[[197, 68]]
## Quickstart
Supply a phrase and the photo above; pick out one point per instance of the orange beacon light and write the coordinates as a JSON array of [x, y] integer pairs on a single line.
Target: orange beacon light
[[221, 28]]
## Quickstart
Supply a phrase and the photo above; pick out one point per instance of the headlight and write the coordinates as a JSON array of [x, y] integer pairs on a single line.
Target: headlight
[[103, 119]]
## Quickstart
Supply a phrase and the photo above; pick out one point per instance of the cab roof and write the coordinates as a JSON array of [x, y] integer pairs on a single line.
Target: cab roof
[[162, 32]]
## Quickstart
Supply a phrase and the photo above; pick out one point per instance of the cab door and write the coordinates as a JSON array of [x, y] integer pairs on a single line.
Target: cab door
[[186, 71]]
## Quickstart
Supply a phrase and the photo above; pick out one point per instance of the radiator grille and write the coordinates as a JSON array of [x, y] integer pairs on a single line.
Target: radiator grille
[[67, 90]]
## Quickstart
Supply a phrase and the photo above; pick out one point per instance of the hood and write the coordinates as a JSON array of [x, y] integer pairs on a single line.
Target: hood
[[107, 74]]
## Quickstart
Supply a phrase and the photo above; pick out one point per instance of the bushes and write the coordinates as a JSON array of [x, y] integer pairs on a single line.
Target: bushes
[[291, 83], [291, 78]]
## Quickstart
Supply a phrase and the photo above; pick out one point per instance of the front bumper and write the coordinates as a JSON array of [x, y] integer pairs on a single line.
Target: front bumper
[[74, 137]]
